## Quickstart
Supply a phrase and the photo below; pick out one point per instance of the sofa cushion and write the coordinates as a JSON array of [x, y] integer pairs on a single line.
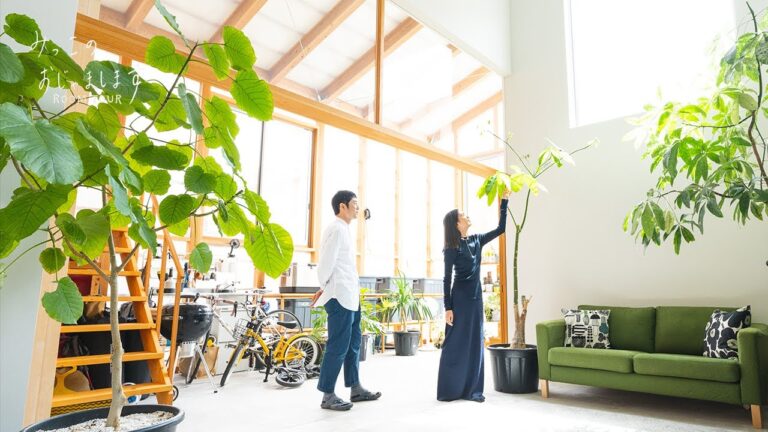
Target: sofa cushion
[[632, 328], [687, 366], [608, 359], [722, 330], [680, 329], [586, 328]]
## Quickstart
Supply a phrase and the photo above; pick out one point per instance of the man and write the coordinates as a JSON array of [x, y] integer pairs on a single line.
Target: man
[[340, 294]]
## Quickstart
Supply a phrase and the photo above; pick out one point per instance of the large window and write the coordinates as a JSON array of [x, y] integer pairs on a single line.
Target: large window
[[623, 52]]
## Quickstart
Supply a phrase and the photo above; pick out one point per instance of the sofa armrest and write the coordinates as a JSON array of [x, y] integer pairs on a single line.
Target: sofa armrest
[[753, 360], [549, 334]]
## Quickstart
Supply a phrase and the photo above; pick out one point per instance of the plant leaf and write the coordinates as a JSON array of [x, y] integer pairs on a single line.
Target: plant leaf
[[161, 54], [217, 59], [27, 212], [201, 258], [12, 70], [270, 249], [192, 109], [197, 180], [253, 95], [22, 29], [52, 259], [238, 48], [65, 304], [175, 208], [44, 148], [161, 157], [96, 228], [257, 206], [170, 19], [157, 182]]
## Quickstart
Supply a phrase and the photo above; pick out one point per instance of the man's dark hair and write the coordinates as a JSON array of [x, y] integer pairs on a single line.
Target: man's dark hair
[[342, 197], [452, 234]]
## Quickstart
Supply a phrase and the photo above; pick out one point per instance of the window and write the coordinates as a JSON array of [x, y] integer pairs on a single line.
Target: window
[[622, 52], [380, 229], [286, 171], [413, 215]]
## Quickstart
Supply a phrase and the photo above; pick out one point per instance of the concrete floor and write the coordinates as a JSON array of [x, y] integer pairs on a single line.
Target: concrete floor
[[408, 404]]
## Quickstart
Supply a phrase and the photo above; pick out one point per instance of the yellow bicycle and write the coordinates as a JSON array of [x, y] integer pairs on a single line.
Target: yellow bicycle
[[275, 342]]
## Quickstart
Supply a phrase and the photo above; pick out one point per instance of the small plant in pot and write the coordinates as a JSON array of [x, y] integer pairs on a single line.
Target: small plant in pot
[[91, 143], [319, 326], [403, 304], [369, 324], [515, 365]]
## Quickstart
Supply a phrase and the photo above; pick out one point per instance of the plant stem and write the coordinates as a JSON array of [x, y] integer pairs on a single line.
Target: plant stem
[[5, 269]]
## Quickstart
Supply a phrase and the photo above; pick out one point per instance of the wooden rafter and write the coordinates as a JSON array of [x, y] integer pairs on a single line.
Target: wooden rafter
[[137, 11], [392, 41], [240, 17], [311, 40], [468, 81], [475, 111], [379, 62]]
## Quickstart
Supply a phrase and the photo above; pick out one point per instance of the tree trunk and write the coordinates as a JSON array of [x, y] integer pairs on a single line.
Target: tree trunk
[[116, 366], [519, 340]]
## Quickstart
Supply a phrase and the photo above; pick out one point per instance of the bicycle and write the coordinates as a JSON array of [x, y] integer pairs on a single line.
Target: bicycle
[[276, 342]]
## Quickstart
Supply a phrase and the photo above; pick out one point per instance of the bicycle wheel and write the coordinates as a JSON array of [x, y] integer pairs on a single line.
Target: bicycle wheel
[[301, 353], [290, 378], [232, 361], [278, 324]]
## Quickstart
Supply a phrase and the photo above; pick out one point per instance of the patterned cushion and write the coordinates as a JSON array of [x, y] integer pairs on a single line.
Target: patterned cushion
[[721, 331], [586, 328]]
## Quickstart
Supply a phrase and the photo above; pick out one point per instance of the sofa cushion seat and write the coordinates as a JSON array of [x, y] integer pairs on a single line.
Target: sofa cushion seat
[[590, 358], [688, 366]]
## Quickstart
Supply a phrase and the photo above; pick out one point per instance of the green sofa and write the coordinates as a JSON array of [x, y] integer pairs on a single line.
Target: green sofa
[[659, 350]]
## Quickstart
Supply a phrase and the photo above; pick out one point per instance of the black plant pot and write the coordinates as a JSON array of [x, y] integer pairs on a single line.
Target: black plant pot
[[407, 343], [515, 370], [365, 347], [73, 418]]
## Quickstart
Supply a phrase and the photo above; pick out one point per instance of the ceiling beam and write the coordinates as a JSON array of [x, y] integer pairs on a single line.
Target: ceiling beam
[[119, 40], [404, 31], [470, 80], [240, 17], [314, 37], [475, 111], [137, 12]]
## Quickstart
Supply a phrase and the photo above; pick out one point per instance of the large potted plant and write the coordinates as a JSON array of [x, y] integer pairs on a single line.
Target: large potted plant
[[709, 153], [402, 303], [59, 152], [515, 368]]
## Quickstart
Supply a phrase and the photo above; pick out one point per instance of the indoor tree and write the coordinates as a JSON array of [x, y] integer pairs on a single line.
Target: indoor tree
[[59, 154], [709, 154], [527, 180]]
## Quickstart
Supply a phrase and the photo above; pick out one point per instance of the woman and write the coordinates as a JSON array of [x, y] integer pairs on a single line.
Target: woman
[[461, 362]]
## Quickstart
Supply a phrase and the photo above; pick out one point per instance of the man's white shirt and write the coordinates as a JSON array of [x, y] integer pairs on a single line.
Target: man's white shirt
[[336, 268]]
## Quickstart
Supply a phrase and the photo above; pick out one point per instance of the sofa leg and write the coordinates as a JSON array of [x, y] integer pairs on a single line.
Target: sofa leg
[[544, 384], [757, 417]]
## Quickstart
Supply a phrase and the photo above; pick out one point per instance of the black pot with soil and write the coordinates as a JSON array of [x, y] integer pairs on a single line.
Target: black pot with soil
[[77, 417], [365, 347], [515, 370], [407, 342]]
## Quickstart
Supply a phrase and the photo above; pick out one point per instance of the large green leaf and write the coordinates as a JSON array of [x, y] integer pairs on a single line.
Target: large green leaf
[[648, 221], [257, 206], [231, 153], [170, 19], [175, 208], [119, 80], [119, 194], [180, 229], [69, 227], [104, 119], [172, 115], [226, 187], [101, 143], [161, 54], [141, 229], [22, 29], [201, 258], [26, 212], [29, 86], [60, 67], [232, 220], [192, 109], [270, 249], [96, 228], [12, 70], [45, 149], [238, 48], [220, 114], [253, 95], [217, 59], [65, 304], [157, 182], [209, 165], [197, 180], [52, 259], [161, 157]]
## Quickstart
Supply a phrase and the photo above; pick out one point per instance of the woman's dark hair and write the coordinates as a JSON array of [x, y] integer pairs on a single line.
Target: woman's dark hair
[[342, 197], [452, 234]]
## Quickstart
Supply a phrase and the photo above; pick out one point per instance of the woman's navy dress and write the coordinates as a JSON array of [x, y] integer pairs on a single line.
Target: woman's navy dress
[[461, 372]]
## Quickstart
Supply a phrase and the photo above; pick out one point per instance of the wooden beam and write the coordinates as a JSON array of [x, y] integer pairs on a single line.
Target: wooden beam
[[126, 43], [468, 81], [392, 41], [137, 12], [475, 111], [379, 74], [362, 195], [240, 17], [316, 191], [313, 38]]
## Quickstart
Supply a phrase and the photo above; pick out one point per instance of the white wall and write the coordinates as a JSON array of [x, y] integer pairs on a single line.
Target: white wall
[[19, 298], [574, 250], [479, 28]]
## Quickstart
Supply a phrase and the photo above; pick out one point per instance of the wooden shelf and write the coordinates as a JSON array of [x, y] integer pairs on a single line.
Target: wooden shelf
[[106, 358], [106, 394], [119, 298], [92, 272], [85, 328]]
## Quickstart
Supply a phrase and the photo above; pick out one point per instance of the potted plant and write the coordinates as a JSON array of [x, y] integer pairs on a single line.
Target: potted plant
[[369, 324], [319, 326], [403, 304], [515, 367], [59, 152], [708, 153]]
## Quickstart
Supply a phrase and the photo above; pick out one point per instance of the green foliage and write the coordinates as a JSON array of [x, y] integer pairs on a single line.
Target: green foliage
[[57, 153], [403, 303], [708, 154], [369, 315]]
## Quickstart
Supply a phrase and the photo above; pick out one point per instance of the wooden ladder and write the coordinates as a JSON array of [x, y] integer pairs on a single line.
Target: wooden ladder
[[152, 352]]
